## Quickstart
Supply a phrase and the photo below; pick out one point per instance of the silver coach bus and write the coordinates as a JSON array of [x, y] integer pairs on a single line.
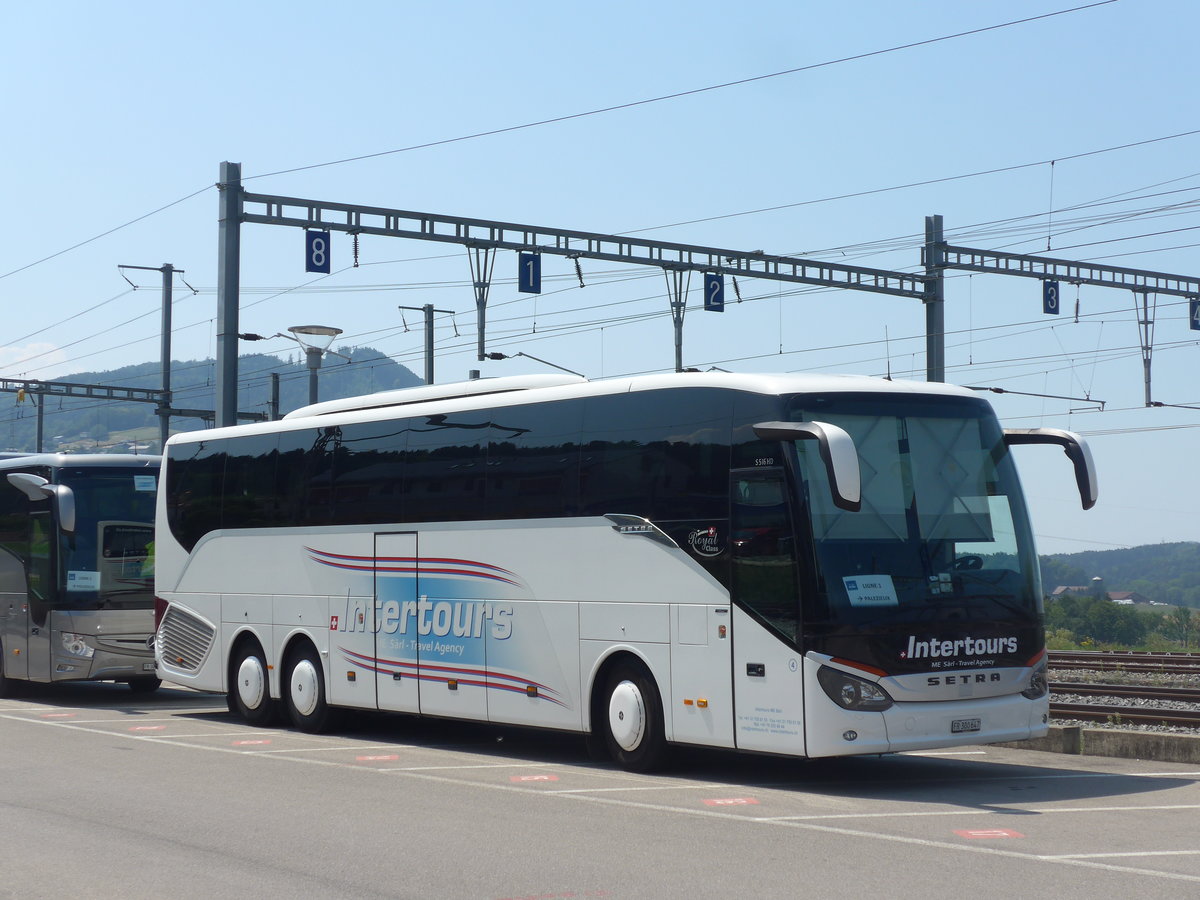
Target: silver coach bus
[[76, 569]]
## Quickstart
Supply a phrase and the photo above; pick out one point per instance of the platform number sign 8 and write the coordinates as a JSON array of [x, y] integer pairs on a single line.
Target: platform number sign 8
[[316, 251], [1050, 305], [1194, 313]]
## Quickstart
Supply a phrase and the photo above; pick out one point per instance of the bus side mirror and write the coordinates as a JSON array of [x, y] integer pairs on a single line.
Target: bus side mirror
[[35, 487], [837, 452], [1073, 445]]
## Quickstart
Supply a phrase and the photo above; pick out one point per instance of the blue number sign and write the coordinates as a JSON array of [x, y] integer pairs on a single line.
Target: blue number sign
[[529, 273], [714, 292], [1050, 304], [1194, 313], [316, 251]]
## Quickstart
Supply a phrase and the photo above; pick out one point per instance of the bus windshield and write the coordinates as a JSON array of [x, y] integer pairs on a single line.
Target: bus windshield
[[943, 531], [108, 560]]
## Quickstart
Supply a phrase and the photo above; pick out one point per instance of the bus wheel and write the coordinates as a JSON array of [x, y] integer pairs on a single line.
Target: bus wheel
[[305, 692], [633, 726], [250, 693], [144, 685]]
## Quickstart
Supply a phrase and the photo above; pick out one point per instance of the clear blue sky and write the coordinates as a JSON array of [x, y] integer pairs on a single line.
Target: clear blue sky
[[114, 111]]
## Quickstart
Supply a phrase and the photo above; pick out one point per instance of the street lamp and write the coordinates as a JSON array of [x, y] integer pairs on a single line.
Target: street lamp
[[315, 339]]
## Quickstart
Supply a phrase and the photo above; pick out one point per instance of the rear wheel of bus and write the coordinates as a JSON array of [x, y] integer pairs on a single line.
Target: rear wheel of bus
[[250, 692], [633, 719], [304, 693]]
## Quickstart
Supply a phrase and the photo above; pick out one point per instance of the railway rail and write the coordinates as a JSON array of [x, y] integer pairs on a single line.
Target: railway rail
[[1127, 661], [1147, 705]]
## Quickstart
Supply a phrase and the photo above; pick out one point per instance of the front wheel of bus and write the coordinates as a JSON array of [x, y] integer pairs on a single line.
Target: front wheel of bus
[[306, 692], [634, 720], [250, 695]]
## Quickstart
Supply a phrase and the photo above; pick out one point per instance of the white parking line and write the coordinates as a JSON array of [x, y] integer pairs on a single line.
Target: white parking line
[[427, 773]]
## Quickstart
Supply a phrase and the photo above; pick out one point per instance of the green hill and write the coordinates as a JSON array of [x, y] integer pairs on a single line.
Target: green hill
[[1163, 573], [77, 424]]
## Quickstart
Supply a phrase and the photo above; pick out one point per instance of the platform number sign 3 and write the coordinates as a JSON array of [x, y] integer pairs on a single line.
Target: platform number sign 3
[[316, 251], [1050, 304]]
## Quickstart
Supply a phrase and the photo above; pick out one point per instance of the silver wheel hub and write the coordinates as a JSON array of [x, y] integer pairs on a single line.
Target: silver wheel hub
[[627, 715], [251, 682], [304, 687]]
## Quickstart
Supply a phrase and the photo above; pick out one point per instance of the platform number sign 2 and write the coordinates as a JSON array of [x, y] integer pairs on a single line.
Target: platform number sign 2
[[316, 251], [714, 292], [1194, 313], [1050, 304]]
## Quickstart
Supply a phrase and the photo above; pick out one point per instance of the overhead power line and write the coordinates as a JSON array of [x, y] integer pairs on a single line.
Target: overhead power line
[[688, 93]]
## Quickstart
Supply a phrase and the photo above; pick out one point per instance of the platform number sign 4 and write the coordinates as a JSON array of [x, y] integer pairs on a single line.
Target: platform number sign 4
[[316, 251], [714, 292], [1050, 304], [1194, 313], [529, 273]]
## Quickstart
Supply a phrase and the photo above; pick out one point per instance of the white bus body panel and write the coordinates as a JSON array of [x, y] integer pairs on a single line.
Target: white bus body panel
[[770, 706], [701, 691], [456, 600]]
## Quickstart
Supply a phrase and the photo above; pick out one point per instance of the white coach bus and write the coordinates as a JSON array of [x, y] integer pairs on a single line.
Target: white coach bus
[[76, 586], [813, 566]]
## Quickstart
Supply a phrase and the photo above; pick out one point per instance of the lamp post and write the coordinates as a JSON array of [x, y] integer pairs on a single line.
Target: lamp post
[[315, 339]]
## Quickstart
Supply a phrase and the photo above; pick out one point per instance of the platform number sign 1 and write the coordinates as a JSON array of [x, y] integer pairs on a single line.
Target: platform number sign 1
[[529, 273], [316, 251], [714, 292], [1194, 313], [1050, 304]]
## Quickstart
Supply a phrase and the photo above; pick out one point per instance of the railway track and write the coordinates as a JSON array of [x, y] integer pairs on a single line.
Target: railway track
[[1127, 661], [1126, 715], [1126, 704]]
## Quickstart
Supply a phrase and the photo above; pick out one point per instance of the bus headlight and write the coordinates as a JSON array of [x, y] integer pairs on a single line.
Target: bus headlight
[[77, 645], [850, 692], [1038, 687]]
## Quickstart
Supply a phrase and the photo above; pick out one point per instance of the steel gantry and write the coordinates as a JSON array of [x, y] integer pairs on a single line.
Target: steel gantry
[[1142, 282], [482, 237]]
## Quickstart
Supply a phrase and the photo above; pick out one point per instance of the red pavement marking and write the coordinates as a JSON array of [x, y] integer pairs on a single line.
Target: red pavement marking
[[986, 833], [732, 801], [517, 778], [147, 727], [377, 758], [245, 743], [58, 715]]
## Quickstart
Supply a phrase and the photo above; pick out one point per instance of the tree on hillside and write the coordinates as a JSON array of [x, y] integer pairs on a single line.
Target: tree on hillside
[[1184, 623]]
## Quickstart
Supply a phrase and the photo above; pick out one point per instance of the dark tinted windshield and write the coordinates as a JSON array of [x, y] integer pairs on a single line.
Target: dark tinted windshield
[[109, 559], [942, 532]]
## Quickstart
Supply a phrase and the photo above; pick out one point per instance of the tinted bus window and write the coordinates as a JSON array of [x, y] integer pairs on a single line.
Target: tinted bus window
[[369, 473], [444, 467], [533, 461]]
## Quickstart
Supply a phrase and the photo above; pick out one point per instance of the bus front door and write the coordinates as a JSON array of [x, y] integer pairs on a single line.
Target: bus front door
[[397, 625], [767, 672]]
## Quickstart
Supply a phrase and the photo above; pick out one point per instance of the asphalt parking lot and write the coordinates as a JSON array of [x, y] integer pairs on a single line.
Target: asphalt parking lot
[[168, 794]]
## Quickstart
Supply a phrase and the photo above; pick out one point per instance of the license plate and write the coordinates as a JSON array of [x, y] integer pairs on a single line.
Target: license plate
[[962, 726]]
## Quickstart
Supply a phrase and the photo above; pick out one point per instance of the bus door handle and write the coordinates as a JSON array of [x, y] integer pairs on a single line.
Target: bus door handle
[[756, 670], [34, 630]]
